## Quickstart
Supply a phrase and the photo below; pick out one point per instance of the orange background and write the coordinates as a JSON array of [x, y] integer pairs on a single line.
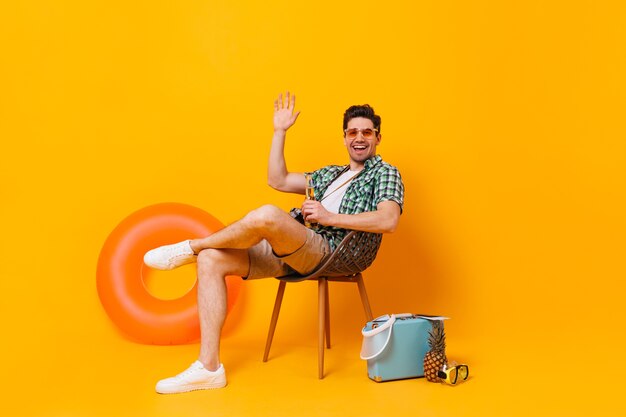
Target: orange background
[[505, 119]]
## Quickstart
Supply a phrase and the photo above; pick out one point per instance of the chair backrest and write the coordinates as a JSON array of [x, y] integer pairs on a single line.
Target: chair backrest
[[354, 254]]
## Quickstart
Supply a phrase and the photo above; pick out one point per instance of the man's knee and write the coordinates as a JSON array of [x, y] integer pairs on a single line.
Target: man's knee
[[208, 257], [211, 259], [265, 217], [222, 261]]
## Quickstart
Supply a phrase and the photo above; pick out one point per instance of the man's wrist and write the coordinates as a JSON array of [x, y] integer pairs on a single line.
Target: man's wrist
[[333, 219]]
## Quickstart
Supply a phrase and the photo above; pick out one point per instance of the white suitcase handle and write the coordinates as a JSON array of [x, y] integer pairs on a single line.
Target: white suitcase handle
[[372, 345]]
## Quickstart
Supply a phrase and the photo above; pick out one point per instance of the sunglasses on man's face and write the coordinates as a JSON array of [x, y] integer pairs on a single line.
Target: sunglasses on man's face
[[367, 133], [454, 374]]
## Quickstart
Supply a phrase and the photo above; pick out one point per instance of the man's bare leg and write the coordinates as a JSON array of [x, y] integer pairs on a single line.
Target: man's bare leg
[[221, 254], [207, 373], [225, 253], [213, 267], [283, 233]]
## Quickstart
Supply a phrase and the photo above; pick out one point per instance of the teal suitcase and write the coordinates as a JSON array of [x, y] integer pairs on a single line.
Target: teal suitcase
[[395, 345]]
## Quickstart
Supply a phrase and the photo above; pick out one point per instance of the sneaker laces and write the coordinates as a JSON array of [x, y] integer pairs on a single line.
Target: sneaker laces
[[174, 252], [196, 366]]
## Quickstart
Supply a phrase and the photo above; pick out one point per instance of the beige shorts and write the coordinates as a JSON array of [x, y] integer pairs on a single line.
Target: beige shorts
[[264, 263]]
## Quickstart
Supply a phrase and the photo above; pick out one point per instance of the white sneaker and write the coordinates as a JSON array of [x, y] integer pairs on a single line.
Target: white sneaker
[[194, 378], [170, 256]]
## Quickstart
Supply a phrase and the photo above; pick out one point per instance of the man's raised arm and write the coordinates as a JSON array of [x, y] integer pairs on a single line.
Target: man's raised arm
[[277, 175]]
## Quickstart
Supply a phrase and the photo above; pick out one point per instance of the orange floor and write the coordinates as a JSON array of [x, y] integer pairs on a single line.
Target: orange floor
[[100, 373]]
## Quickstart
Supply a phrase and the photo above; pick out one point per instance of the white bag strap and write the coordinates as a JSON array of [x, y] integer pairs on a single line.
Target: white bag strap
[[373, 332]]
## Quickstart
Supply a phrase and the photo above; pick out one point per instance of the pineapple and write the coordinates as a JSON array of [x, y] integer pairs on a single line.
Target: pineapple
[[436, 356]]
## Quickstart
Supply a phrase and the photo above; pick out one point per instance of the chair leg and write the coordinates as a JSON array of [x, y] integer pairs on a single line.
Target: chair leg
[[327, 315], [322, 292], [277, 303], [364, 299]]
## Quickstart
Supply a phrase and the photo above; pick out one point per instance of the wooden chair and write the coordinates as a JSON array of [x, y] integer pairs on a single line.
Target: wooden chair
[[353, 255]]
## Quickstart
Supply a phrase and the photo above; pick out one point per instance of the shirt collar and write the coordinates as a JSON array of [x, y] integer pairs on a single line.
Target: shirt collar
[[373, 161], [369, 164]]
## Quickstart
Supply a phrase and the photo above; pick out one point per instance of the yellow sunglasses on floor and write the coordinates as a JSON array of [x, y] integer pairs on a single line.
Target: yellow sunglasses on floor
[[453, 374]]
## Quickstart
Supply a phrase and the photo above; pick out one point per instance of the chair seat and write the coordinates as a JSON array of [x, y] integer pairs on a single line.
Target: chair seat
[[354, 254]]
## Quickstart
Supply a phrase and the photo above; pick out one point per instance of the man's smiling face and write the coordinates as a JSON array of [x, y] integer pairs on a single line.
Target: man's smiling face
[[361, 139]]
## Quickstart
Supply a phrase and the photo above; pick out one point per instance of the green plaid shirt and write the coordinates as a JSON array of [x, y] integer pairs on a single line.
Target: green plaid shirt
[[379, 181]]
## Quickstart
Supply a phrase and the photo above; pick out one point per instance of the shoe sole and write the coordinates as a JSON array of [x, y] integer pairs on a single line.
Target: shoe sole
[[195, 387]]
